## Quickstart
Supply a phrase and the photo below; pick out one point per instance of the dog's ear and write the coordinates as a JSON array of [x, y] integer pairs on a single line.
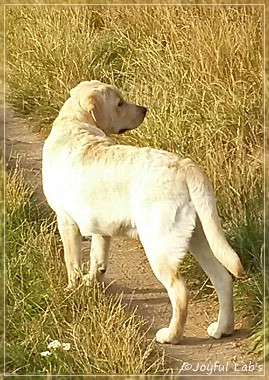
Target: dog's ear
[[92, 97], [89, 101], [95, 103]]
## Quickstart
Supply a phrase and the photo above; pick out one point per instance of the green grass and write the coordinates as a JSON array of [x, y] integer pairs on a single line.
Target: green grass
[[199, 70], [104, 338]]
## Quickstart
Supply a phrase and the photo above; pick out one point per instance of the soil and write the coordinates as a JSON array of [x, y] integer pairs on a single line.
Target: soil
[[129, 273]]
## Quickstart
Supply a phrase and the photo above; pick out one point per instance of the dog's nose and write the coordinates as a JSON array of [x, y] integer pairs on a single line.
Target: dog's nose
[[144, 110]]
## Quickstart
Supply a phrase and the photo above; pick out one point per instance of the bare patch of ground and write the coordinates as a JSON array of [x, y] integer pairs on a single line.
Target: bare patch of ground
[[129, 273]]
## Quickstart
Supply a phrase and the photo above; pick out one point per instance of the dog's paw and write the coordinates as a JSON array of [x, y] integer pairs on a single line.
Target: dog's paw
[[216, 332], [73, 284], [165, 336], [88, 280], [91, 281], [96, 274]]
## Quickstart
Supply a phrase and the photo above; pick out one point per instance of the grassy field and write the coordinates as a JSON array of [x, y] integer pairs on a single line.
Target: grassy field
[[199, 70]]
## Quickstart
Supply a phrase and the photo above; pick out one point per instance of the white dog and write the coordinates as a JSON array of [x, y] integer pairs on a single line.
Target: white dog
[[102, 189]]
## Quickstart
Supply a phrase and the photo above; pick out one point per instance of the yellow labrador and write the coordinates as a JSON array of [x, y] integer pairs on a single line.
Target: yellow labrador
[[103, 189]]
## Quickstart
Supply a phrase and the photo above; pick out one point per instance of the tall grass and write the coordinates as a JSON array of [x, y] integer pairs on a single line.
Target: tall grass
[[199, 70], [103, 337]]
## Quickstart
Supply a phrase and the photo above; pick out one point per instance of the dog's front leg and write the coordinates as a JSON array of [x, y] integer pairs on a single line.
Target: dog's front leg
[[71, 238], [99, 257]]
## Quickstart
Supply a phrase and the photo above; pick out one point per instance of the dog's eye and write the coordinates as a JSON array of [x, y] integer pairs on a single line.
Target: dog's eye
[[120, 103]]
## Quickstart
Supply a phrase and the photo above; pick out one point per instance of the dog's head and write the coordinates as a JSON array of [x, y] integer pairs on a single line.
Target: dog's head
[[106, 107]]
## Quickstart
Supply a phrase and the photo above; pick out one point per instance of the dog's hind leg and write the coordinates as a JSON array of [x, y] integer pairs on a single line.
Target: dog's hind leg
[[99, 257], [221, 280], [166, 270], [164, 259], [178, 295], [71, 238], [165, 232]]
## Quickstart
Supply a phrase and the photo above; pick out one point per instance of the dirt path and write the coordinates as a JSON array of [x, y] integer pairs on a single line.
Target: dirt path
[[129, 273]]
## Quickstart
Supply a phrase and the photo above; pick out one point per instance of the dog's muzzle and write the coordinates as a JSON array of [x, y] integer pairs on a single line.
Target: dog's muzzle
[[143, 113]]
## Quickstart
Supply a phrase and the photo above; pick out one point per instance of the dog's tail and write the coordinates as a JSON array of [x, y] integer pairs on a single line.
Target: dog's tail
[[202, 196]]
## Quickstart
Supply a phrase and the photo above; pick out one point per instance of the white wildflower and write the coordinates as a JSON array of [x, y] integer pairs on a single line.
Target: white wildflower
[[45, 353], [54, 344], [66, 346]]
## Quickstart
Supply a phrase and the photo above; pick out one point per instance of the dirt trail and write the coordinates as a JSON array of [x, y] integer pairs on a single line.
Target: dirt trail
[[129, 273]]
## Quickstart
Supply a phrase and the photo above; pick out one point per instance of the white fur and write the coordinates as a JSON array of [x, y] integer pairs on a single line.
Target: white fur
[[103, 189]]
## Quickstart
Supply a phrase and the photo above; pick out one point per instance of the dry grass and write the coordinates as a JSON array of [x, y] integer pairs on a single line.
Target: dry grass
[[104, 337], [199, 70]]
